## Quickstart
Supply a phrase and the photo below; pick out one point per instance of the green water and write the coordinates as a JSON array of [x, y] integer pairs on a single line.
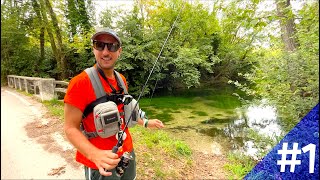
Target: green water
[[197, 116]]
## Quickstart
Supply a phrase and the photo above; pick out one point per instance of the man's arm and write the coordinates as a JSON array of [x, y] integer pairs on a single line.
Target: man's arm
[[152, 123], [104, 159]]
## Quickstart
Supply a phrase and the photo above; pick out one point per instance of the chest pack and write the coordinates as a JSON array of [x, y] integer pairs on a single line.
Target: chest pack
[[106, 115]]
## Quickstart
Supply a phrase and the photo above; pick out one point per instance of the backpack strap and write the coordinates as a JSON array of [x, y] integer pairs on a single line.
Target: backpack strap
[[101, 96], [95, 81], [119, 79]]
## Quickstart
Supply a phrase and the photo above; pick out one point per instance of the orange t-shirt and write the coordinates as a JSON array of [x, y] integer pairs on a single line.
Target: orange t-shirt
[[80, 93]]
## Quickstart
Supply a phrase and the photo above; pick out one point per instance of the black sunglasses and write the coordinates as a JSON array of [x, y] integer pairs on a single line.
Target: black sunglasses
[[112, 47]]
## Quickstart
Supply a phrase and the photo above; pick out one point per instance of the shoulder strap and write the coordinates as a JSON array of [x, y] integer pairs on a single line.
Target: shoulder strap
[[101, 95], [95, 81], [119, 79]]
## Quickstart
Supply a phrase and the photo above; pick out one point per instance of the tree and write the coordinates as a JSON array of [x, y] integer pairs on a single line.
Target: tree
[[158, 18], [241, 30], [77, 16], [287, 72], [18, 55]]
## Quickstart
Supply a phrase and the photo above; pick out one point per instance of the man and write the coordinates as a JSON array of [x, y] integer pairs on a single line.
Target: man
[[95, 153]]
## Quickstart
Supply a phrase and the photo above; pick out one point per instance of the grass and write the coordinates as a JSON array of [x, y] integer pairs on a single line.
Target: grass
[[24, 92], [239, 165], [160, 139], [158, 150], [55, 108]]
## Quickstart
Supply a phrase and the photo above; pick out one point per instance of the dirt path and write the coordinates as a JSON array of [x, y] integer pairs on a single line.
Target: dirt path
[[39, 139], [32, 144]]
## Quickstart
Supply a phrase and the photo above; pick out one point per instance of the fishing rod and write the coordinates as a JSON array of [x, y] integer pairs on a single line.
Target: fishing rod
[[119, 143]]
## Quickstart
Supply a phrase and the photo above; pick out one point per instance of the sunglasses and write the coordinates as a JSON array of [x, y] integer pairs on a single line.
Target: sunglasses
[[112, 47]]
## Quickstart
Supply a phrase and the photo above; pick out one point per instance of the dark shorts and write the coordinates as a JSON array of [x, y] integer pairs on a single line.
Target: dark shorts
[[129, 174]]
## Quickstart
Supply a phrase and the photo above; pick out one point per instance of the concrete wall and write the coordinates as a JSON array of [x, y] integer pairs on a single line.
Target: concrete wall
[[45, 88]]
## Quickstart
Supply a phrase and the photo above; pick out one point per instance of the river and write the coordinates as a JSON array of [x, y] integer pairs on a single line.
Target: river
[[216, 123]]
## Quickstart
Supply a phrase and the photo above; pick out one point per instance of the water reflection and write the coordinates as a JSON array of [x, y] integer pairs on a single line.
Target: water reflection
[[235, 136], [263, 120]]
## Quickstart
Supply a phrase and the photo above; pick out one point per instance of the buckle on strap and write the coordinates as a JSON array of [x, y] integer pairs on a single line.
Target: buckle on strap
[[89, 135]]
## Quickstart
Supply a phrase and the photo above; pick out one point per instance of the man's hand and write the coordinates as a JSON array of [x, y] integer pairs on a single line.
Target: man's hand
[[155, 123], [105, 160]]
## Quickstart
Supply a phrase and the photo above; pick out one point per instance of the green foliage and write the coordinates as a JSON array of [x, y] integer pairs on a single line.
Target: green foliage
[[107, 18], [18, 55], [187, 64], [76, 12], [162, 140], [80, 54], [240, 28], [182, 148], [289, 80], [55, 108], [239, 165], [155, 146], [186, 55]]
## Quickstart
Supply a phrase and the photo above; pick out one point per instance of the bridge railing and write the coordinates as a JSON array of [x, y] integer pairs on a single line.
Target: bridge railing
[[44, 88]]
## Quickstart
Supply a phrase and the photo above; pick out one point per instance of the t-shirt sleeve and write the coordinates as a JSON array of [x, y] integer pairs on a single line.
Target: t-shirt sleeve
[[78, 92]]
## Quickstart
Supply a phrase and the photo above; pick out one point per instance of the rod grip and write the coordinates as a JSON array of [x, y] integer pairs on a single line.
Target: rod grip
[[115, 149]]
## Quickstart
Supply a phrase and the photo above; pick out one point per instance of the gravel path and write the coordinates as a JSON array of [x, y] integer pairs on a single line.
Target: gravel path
[[31, 148]]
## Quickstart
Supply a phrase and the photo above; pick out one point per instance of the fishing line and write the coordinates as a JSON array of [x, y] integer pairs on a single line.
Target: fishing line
[[115, 148], [154, 87]]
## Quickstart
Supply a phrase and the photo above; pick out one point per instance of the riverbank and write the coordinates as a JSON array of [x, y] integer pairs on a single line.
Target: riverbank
[[161, 160]]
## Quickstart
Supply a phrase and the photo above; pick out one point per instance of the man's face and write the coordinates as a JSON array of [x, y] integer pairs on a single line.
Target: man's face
[[106, 58]]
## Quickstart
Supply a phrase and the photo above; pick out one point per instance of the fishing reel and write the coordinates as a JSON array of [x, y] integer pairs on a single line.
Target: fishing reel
[[123, 164], [126, 99]]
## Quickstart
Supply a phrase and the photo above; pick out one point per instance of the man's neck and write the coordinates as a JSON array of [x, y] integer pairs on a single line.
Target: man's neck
[[107, 72]]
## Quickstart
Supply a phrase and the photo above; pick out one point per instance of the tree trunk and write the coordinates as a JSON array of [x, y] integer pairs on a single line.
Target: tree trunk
[[36, 8], [287, 25], [84, 21], [49, 31], [62, 60], [71, 11], [288, 37], [41, 45]]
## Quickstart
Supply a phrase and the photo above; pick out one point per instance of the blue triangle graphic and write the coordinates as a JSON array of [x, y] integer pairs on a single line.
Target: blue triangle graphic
[[306, 135]]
